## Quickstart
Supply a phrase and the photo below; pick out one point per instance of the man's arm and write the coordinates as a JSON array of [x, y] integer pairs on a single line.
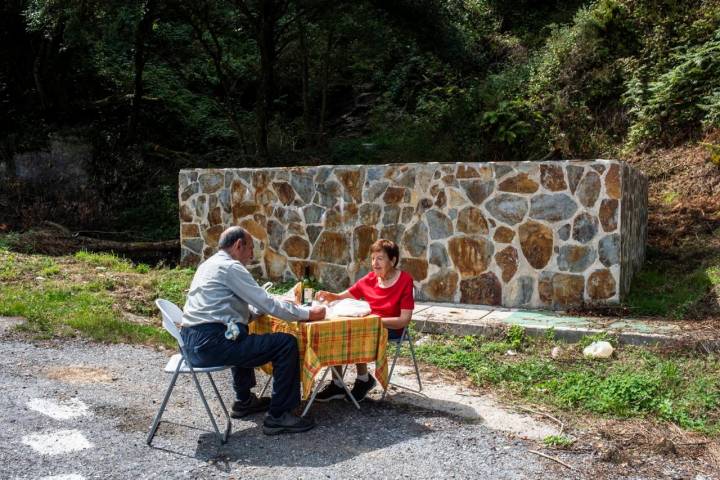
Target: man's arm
[[244, 286]]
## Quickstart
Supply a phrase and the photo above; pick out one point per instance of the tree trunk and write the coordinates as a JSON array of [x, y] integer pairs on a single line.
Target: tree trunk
[[325, 77], [263, 107], [305, 75], [142, 33]]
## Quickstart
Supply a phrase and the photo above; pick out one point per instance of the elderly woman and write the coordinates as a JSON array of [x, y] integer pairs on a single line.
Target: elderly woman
[[389, 292]]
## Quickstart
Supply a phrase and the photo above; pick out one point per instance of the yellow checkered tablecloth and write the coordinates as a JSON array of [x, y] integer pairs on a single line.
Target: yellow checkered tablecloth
[[336, 341]]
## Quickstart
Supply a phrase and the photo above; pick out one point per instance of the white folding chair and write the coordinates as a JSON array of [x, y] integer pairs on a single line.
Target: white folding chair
[[178, 363]]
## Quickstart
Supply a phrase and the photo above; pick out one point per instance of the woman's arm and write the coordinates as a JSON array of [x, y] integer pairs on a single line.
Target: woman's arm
[[323, 296], [397, 323]]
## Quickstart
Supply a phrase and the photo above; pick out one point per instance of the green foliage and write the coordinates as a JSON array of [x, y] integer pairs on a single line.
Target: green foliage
[[105, 260], [516, 337], [638, 382], [172, 284], [598, 337], [558, 441]]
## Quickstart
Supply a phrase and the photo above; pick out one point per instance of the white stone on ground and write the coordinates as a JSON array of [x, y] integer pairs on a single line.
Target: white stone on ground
[[59, 410], [55, 443], [64, 476]]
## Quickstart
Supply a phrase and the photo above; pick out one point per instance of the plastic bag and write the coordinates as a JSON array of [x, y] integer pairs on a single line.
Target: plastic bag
[[347, 307], [598, 350]]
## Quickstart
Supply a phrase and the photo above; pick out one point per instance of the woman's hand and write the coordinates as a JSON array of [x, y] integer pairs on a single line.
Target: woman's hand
[[323, 296]]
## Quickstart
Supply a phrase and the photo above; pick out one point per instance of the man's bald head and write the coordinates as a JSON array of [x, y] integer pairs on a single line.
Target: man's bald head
[[231, 235]]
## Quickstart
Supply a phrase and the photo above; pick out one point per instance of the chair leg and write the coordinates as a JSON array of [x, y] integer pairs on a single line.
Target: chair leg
[[207, 407], [315, 392], [417, 370], [266, 386], [228, 424], [392, 367], [160, 412]]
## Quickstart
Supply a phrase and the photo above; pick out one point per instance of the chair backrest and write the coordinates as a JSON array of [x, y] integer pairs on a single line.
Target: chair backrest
[[172, 317]]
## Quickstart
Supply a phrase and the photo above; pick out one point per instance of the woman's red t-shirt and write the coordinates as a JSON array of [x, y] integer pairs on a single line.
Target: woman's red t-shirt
[[385, 302]]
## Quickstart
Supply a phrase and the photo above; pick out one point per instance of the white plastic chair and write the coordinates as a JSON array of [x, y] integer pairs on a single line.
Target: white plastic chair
[[178, 363]]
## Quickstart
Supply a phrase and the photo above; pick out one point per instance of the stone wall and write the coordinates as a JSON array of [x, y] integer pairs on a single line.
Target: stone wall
[[531, 234]]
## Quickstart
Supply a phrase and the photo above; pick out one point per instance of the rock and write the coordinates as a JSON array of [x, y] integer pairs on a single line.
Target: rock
[[564, 232], [417, 268], [189, 191], [212, 235], [556, 352], [471, 221], [575, 258], [297, 267], [189, 230], [476, 190], [194, 245], [536, 241], [507, 260], [438, 255], [332, 247], [552, 207], [552, 177], [313, 213], [407, 214], [260, 179], [589, 189], [225, 199], [520, 183], [297, 247], [370, 213], [439, 224], [464, 171], [243, 209], [441, 286], [329, 193], [394, 195], [415, 239], [255, 229], [334, 276], [423, 205], [601, 285], [567, 290], [393, 233], [574, 174], [186, 215], [520, 291], [450, 181], [407, 178], [313, 231], [609, 214], [470, 256], [215, 216], [303, 184], [482, 290], [363, 237], [503, 234], [585, 227], [375, 190], [284, 191], [352, 180], [441, 199], [276, 232], [211, 182], [507, 208], [501, 170], [391, 215], [612, 182], [609, 250], [274, 264]]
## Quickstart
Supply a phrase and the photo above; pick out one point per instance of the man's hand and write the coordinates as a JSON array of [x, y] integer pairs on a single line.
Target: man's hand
[[316, 313]]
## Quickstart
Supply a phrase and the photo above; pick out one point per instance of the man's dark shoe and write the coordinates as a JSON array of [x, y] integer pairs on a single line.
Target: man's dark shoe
[[361, 389], [251, 405], [331, 392], [286, 423]]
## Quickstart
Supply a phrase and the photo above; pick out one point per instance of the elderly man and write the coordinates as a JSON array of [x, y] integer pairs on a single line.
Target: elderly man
[[223, 298]]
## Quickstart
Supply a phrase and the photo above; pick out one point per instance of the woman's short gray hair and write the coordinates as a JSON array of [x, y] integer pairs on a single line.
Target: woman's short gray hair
[[232, 235]]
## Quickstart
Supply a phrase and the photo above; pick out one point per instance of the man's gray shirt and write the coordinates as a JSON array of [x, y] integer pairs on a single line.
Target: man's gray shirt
[[223, 291]]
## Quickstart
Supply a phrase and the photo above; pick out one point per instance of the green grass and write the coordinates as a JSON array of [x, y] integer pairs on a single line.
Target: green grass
[[672, 287], [558, 441], [105, 260], [637, 382]]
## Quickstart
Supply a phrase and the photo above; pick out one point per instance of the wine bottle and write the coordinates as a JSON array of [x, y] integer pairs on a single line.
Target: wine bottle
[[307, 290]]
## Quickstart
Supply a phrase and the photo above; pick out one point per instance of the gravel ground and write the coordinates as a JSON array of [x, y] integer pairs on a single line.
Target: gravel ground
[[123, 385]]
